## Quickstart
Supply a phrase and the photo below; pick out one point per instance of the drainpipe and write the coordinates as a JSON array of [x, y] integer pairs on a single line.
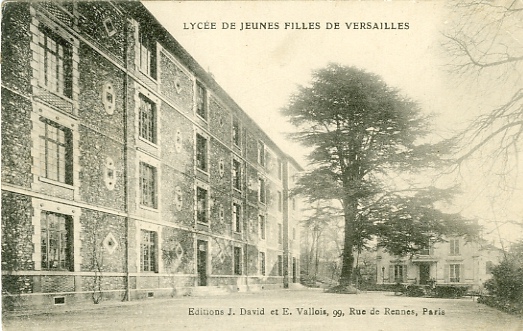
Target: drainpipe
[[126, 160]]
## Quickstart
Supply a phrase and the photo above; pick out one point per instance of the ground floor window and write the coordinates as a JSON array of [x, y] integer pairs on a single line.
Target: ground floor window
[[148, 261], [262, 263], [454, 275], [237, 260], [56, 241], [398, 273]]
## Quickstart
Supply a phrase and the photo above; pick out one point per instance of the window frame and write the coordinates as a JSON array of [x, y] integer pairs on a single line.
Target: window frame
[[201, 101], [262, 194], [202, 211], [262, 226], [151, 183], [263, 263], [152, 256], [237, 217], [236, 174], [455, 273], [147, 59], [399, 273], [261, 154], [454, 247], [68, 250], [67, 160], [150, 125], [237, 260], [236, 132], [202, 151], [280, 265], [65, 69]]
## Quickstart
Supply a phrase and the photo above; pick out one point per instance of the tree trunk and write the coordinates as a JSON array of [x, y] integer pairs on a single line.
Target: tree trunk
[[348, 247]]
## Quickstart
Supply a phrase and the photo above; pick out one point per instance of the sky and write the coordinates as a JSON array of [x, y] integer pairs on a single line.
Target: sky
[[261, 68]]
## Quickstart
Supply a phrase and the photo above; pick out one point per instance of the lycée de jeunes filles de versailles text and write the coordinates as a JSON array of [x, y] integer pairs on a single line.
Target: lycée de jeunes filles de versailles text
[[242, 26]]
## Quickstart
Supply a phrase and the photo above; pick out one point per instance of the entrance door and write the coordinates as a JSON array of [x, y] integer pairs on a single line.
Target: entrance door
[[424, 273], [202, 262]]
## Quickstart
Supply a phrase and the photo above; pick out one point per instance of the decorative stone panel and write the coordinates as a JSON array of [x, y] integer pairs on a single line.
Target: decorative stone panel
[[221, 257], [177, 251], [93, 24], [176, 82], [97, 75], [102, 170]]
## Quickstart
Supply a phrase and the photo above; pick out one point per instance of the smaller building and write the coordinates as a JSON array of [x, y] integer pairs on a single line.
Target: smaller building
[[455, 261]]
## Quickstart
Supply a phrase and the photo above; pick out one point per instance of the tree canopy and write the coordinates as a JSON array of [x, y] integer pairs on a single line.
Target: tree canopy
[[363, 132]]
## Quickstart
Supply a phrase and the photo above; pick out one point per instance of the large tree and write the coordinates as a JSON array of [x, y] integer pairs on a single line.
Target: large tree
[[363, 131]]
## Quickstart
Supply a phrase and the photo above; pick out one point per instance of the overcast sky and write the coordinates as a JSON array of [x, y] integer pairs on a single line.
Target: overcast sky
[[260, 69]]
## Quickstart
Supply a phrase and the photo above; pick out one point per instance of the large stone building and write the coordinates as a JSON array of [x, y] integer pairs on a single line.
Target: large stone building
[[127, 172], [456, 261]]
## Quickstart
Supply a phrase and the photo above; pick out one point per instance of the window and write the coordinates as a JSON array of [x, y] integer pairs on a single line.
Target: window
[[201, 205], [237, 260], [261, 190], [56, 241], [201, 101], [236, 137], [280, 265], [454, 276], [236, 217], [400, 273], [280, 201], [147, 55], [280, 169], [454, 247], [148, 251], [262, 263], [280, 233], [261, 220], [236, 175], [56, 57], [147, 120], [201, 152], [148, 185], [56, 153], [261, 153]]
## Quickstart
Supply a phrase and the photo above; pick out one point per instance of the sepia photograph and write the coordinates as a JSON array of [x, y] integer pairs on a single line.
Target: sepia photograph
[[256, 165]]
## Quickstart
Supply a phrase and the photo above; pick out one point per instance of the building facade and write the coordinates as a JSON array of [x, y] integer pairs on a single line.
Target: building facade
[[455, 261], [127, 172]]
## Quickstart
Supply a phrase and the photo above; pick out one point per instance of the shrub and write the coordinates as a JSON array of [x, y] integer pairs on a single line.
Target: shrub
[[506, 287], [506, 281], [415, 291], [450, 291]]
